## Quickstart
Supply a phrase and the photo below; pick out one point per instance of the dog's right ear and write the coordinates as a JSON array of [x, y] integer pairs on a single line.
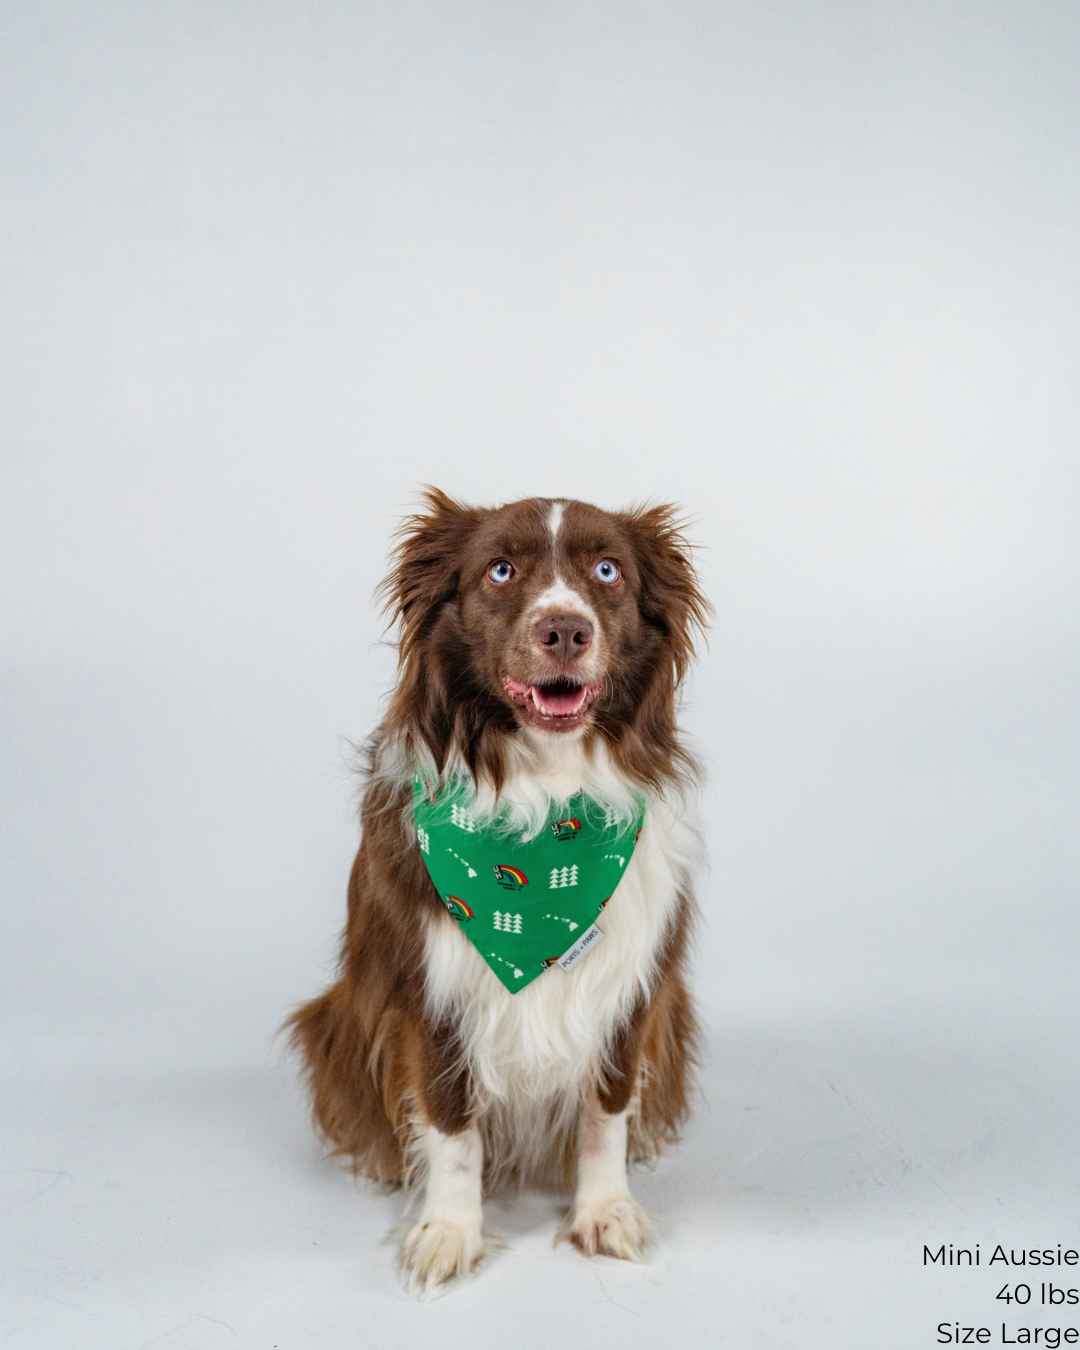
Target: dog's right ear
[[425, 565]]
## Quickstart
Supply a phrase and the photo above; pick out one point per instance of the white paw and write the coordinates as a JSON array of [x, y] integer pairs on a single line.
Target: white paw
[[435, 1253], [616, 1227]]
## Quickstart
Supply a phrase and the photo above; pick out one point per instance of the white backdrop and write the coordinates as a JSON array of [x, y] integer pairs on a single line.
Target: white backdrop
[[810, 269]]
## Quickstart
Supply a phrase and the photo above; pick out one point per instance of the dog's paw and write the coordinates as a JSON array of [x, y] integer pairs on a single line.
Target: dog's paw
[[615, 1227], [435, 1253]]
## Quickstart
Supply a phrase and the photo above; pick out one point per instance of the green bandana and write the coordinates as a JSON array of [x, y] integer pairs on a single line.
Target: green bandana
[[524, 904]]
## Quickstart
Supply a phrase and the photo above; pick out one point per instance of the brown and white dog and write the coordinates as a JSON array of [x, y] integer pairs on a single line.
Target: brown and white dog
[[541, 649]]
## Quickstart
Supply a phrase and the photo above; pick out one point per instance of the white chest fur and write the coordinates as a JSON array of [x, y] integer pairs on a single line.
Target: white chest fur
[[547, 1041]]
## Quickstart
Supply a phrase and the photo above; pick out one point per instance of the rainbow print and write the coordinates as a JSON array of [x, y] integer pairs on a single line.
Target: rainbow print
[[458, 908], [566, 829], [511, 878]]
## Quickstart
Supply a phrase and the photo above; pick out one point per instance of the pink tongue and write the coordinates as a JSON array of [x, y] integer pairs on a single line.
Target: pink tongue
[[560, 701]]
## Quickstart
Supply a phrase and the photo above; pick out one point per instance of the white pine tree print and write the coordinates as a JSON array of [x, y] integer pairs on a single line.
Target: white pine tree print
[[460, 817], [563, 876], [423, 838], [507, 923]]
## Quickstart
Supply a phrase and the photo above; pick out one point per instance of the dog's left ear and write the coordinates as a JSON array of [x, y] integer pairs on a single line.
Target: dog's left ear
[[671, 599], [425, 561]]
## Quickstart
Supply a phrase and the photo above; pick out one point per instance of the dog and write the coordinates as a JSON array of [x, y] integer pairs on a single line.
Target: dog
[[541, 647]]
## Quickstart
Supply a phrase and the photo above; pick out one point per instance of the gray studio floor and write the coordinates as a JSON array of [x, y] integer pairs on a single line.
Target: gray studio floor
[[161, 1186]]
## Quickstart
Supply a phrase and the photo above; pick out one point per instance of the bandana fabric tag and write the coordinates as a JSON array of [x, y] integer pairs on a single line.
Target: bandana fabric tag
[[581, 947], [524, 904]]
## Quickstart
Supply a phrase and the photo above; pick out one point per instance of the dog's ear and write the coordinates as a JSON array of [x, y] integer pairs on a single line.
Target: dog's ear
[[425, 565], [671, 600]]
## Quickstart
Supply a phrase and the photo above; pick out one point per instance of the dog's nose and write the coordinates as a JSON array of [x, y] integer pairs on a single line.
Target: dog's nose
[[564, 636]]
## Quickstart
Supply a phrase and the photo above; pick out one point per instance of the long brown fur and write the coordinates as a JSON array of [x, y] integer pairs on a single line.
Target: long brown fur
[[375, 1063]]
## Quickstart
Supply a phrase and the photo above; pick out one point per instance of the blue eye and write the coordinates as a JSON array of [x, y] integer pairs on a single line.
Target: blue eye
[[606, 571], [500, 571]]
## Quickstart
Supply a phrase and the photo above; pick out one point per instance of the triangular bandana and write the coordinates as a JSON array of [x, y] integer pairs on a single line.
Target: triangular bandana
[[523, 904]]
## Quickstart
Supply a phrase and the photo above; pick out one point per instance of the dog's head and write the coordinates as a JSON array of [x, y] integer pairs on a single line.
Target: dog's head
[[549, 617]]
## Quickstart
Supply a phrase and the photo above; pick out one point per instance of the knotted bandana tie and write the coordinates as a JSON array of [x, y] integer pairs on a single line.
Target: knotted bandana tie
[[524, 904]]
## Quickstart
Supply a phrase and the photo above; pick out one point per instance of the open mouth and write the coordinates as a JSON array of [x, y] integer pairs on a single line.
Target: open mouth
[[558, 701]]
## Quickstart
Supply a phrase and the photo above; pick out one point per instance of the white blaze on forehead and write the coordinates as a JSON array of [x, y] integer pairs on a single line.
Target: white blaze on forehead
[[562, 599]]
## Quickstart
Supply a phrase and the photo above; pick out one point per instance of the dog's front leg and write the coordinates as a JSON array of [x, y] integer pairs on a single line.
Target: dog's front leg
[[446, 1242], [606, 1219]]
